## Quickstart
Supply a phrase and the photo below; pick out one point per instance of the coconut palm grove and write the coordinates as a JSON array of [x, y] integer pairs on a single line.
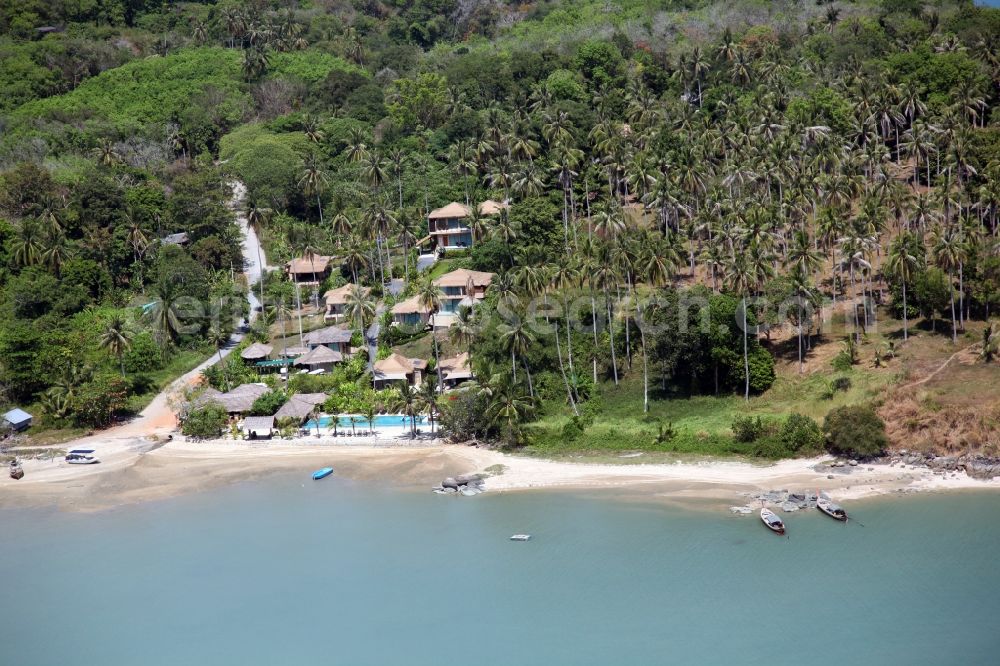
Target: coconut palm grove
[[758, 229]]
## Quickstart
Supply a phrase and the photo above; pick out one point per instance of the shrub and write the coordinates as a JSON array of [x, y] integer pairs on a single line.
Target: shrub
[[855, 431], [841, 384], [207, 421], [800, 434], [572, 430], [144, 354], [268, 404], [748, 428], [761, 370], [841, 362]]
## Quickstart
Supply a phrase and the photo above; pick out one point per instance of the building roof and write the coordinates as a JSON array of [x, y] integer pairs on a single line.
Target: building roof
[[397, 366], [300, 405], [338, 296], [17, 416], [490, 207], [331, 335], [206, 396], [179, 238], [295, 351], [258, 423], [321, 354], [456, 209], [410, 305], [256, 352], [462, 276], [304, 265], [456, 367], [241, 398]]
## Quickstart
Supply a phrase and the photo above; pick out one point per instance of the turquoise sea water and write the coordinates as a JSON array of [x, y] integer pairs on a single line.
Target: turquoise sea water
[[290, 571]]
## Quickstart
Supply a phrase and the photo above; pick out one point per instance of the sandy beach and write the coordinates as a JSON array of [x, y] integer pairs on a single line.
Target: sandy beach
[[139, 468]]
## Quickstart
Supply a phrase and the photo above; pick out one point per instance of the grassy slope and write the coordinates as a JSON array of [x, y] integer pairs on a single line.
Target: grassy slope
[[703, 423]]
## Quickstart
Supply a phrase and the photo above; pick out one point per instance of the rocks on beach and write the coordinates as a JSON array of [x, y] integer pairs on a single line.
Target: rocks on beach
[[466, 485], [783, 499], [975, 466]]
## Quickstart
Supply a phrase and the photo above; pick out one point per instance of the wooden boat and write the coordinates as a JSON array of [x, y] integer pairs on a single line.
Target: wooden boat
[[771, 520], [835, 511], [16, 472], [322, 473], [520, 537], [81, 457]]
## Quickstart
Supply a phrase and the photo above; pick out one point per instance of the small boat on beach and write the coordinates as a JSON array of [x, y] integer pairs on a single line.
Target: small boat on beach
[[520, 537], [835, 511], [322, 473], [16, 472], [82, 457], [771, 520]]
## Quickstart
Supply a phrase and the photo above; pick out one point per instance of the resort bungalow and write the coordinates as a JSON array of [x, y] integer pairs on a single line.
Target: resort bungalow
[[256, 352], [460, 287], [449, 226], [258, 427], [398, 368], [336, 301], [309, 270], [241, 398], [300, 406], [410, 313], [319, 358], [455, 370], [335, 337], [180, 238], [17, 419]]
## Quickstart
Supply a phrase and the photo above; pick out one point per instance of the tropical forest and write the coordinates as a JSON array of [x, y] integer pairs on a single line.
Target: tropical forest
[[682, 227]]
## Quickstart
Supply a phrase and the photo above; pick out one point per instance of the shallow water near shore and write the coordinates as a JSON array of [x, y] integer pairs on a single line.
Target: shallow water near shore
[[289, 571]]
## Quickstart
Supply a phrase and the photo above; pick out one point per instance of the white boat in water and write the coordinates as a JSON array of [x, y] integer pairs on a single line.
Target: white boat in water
[[772, 521], [520, 537], [835, 511], [82, 457]]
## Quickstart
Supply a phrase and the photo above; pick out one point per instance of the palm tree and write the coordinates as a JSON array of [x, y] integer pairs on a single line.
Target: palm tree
[[427, 398], [257, 217], [742, 280], [903, 265], [312, 129], [463, 328], [359, 308], [656, 268], [406, 403], [117, 339], [429, 297], [517, 338], [26, 248], [508, 408], [218, 339], [370, 411], [166, 319], [107, 153], [949, 251], [313, 180]]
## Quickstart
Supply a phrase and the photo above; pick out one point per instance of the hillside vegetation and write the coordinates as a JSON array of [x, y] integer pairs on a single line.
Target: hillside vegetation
[[816, 182]]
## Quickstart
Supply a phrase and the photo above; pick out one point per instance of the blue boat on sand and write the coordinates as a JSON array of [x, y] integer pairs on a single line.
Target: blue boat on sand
[[322, 473]]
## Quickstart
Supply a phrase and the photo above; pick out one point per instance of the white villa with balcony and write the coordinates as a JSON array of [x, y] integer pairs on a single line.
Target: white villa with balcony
[[448, 226]]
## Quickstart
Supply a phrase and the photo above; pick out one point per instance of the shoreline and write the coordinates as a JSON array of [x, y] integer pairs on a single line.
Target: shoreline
[[139, 469]]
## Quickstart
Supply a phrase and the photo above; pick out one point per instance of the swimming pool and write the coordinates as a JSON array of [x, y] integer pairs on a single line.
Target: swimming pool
[[381, 421]]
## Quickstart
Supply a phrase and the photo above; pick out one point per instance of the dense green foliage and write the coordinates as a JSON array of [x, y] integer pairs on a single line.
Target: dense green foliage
[[662, 164], [855, 431], [207, 422]]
